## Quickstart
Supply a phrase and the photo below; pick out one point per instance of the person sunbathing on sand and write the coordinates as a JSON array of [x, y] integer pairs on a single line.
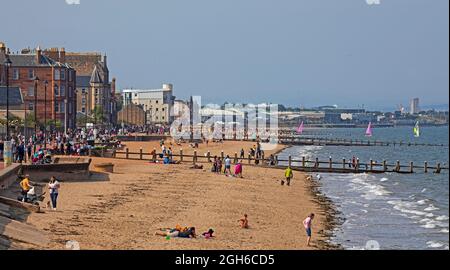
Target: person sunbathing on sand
[[177, 232], [244, 222]]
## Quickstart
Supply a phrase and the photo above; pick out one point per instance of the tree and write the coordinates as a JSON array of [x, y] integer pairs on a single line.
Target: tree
[[98, 115]]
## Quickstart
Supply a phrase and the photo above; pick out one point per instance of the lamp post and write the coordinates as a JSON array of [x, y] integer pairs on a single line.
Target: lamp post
[[7, 66], [45, 113], [55, 86], [36, 80], [85, 110], [65, 116]]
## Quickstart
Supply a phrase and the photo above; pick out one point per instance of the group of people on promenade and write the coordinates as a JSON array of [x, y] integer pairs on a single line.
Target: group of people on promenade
[[73, 142], [147, 130]]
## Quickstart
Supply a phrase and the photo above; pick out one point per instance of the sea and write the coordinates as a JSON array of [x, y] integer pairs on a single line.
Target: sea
[[386, 211]]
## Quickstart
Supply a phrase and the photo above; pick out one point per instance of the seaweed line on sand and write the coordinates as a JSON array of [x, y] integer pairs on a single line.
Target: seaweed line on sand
[[332, 215]]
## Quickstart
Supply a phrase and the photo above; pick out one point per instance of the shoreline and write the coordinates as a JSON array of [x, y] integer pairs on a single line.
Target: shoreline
[[332, 219]]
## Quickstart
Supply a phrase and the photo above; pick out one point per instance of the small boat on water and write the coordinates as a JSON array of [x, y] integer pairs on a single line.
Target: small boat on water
[[369, 131], [416, 130], [300, 129]]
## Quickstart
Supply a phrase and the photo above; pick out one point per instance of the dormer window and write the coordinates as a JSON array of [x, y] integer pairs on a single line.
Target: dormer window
[[57, 75]]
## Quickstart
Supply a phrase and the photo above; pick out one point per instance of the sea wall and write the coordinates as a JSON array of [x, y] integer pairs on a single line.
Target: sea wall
[[8, 175]]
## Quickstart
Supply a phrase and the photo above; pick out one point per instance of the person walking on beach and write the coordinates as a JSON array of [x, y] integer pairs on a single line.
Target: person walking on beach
[[219, 166], [242, 153], [307, 223], [53, 187], [238, 170], [214, 167], [289, 175], [227, 166]]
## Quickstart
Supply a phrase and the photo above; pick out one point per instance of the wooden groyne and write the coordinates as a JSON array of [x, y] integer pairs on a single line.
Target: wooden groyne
[[299, 140], [316, 165]]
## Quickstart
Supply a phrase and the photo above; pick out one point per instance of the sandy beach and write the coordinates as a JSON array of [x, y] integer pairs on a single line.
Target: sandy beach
[[123, 210]]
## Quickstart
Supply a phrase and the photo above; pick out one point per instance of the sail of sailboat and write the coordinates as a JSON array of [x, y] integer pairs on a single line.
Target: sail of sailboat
[[416, 130], [300, 129], [369, 130]]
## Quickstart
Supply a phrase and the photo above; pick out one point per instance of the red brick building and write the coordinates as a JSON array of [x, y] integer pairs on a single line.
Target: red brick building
[[59, 99]]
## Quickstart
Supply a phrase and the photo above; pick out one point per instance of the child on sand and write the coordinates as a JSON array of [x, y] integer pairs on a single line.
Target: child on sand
[[244, 222], [307, 223], [208, 234]]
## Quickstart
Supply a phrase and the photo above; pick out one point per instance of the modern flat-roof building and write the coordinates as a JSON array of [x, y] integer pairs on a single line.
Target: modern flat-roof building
[[157, 103]]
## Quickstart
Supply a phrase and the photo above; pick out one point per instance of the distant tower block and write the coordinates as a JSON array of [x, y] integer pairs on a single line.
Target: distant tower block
[[415, 106]]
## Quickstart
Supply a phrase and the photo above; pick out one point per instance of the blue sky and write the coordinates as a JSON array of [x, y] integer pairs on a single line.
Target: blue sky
[[294, 52]]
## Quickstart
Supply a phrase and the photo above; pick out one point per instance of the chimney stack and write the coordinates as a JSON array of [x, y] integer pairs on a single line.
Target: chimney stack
[[38, 54], [2, 48], [62, 55]]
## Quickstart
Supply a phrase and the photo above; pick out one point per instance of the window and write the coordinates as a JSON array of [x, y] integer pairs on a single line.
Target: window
[[83, 110], [83, 91], [163, 118], [57, 75], [15, 74], [96, 91], [31, 106], [157, 102], [70, 108], [62, 91], [56, 106], [63, 107], [163, 109], [70, 92], [31, 91], [31, 73], [83, 101], [157, 109], [56, 91], [63, 74], [70, 75]]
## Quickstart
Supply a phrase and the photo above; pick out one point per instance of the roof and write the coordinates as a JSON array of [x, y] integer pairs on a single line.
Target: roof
[[96, 77], [15, 96], [87, 64], [145, 90], [30, 60], [83, 81]]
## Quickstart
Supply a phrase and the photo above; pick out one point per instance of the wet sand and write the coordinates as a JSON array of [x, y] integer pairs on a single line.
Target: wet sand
[[124, 209]]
